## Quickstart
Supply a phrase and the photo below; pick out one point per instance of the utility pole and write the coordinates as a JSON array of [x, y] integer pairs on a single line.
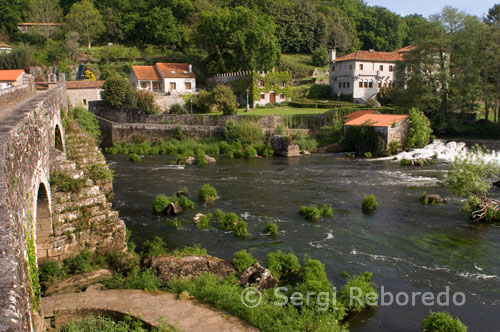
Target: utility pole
[[248, 106]]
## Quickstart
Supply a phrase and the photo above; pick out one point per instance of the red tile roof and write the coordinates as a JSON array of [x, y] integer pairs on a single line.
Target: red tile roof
[[3, 45], [84, 84], [371, 56], [149, 73], [406, 49], [376, 120], [175, 70], [10, 75], [357, 114]]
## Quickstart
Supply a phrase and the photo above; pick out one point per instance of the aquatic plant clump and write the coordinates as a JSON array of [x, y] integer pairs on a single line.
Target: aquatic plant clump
[[442, 321], [310, 213], [271, 229], [369, 203], [207, 194]]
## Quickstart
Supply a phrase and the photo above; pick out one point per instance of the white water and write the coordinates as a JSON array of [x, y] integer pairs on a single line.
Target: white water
[[447, 152]]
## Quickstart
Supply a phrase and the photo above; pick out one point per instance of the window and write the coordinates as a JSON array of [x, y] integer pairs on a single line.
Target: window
[[144, 85], [379, 85], [85, 102], [282, 96], [340, 85], [371, 85], [262, 96], [348, 85], [366, 84], [350, 67], [173, 86], [360, 66], [333, 68], [262, 84], [282, 84], [381, 68], [390, 68], [188, 85], [360, 84], [384, 85]]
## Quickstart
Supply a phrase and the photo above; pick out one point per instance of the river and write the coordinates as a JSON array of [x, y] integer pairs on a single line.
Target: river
[[408, 246]]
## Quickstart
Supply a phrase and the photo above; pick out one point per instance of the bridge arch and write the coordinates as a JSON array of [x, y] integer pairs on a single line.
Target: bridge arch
[[58, 140], [43, 224]]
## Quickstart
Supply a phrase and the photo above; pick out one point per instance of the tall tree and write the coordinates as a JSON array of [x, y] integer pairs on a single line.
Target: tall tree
[[85, 19], [45, 11]]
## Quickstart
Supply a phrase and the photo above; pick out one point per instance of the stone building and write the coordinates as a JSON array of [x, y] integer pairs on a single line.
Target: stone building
[[363, 73], [263, 87], [393, 127], [81, 92], [170, 78]]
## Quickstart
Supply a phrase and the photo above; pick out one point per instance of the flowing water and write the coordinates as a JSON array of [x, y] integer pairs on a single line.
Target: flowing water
[[409, 247]]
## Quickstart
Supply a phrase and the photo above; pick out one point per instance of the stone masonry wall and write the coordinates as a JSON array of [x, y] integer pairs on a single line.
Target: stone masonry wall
[[26, 136], [17, 93]]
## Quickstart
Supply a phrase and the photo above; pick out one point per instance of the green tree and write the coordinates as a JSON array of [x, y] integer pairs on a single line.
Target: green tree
[[224, 99], [319, 56], [419, 132], [85, 19], [45, 11], [160, 27], [119, 92]]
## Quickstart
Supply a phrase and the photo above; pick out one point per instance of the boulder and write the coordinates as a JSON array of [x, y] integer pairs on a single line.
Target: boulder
[[190, 160], [197, 217], [282, 146], [181, 193], [258, 276], [210, 160], [173, 209], [167, 267], [432, 199], [75, 283]]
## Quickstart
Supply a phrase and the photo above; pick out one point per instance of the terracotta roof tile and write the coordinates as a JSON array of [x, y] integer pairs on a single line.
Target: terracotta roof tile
[[146, 73], [371, 56], [357, 114], [10, 75], [175, 70], [84, 84], [376, 120]]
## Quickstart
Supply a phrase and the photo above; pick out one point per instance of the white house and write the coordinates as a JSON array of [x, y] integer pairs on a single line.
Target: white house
[[363, 73], [171, 78], [12, 77], [4, 48]]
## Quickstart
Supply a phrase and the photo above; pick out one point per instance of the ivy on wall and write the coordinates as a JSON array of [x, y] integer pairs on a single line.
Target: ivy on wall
[[30, 265]]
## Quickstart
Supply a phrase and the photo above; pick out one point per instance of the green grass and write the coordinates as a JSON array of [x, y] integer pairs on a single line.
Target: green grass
[[279, 110]]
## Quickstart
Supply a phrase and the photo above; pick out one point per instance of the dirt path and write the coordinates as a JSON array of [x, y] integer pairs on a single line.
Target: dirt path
[[152, 308]]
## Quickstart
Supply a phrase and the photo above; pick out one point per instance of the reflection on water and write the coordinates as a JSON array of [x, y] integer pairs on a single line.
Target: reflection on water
[[408, 246]]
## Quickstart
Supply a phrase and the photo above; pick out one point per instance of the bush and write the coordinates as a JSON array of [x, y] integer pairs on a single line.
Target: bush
[[160, 204], [331, 134], [66, 183], [281, 264], [207, 194], [137, 279], [364, 138], [87, 121], [185, 203], [319, 57], [134, 158], [81, 263], [202, 102], [419, 132], [313, 277], [195, 250], [271, 228], [368, 155], [369, 203], [362, 285], [442, 322], [177, 109], [146, 102], [304, 141], [243, 260], [249, 152], [326, 211], [50, 272], [155, 247], [244, 131], [240, 228], [310, 213], [204, 221], [319, 91], [224, 99], [119, 92]]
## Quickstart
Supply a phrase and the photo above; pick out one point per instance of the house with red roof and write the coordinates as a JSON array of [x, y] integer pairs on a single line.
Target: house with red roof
[[363, 73], [81, 92], [11, 77], [393, 127], [170, 78]]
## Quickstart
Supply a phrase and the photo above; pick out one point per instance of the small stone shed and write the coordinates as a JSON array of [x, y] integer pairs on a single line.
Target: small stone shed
[[393, 127], [81, 92]]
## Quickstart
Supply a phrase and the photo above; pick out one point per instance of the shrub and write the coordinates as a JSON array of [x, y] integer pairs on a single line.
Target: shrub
[[249, 152], [326, 211], [195, 250], [364, 138], [319, 91], [204, 221], [313, 277], [224, 99], [137, 279], [319, 57], [155, 247], [271, 228], [281, 264], [134, 157], [331, 134], [304, 141], [119, 92], [81, 263], [244, 131], [176, 223], [177, 109], [368, 155], [146, 102], [280, 130], [243, 260], [207, 194], [160, 204], [202, 102], [66, 183], [87, 121], [310, 213], [419, 132], [405, 162], [369, 203], [363, 285], [185, 203], [240, 228], [442, 322], [50, 272]]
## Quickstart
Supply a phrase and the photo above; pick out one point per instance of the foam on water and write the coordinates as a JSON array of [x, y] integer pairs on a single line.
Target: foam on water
[[447, 152]]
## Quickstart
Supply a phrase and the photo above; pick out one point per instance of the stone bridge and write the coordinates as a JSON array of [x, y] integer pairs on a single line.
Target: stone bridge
[[32, 143]]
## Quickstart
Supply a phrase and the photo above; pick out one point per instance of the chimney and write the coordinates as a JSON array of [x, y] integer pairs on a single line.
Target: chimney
[[333, 55], [190, 68], [372, 50]]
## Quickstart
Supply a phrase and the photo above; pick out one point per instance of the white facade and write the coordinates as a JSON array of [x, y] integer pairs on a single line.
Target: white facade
[[164, 78]]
